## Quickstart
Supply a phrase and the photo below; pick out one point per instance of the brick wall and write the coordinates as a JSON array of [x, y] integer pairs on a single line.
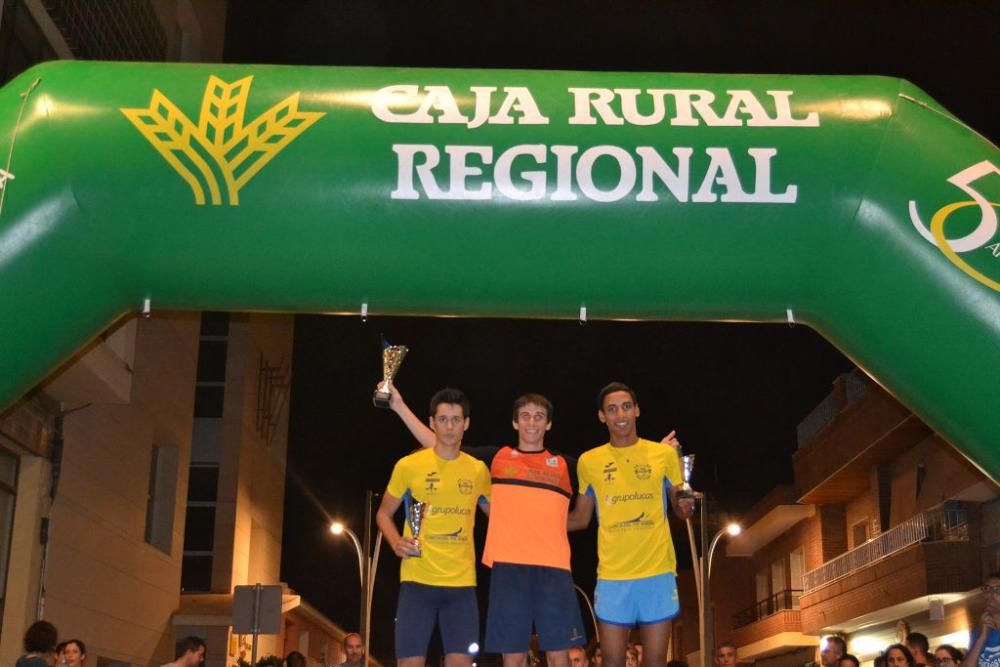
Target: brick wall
[[924, 569], [833, 531]]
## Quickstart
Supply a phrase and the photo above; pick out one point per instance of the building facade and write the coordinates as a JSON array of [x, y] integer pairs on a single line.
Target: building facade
[[143, 482], [887, 530]]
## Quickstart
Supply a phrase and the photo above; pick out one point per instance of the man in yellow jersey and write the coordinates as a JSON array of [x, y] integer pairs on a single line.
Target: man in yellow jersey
[[629, 480], [526, 543], [438, 572]]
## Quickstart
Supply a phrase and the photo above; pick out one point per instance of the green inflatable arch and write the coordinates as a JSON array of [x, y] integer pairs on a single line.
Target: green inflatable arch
[[855, 205]]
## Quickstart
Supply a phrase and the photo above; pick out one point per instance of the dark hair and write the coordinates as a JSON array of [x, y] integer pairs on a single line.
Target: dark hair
[[955, 654], [839, 641], [676, 663], [41, 637], [725, 645], [191, 644], [452, 396], [919, 640], [79, 644], [612, 388], [295, 659], [853, 658], [351, 634], [60, 646], [537, 399], [906, 654]]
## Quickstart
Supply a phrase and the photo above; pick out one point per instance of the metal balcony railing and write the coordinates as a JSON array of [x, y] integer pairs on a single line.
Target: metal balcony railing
[[780, 601], [949, 525]]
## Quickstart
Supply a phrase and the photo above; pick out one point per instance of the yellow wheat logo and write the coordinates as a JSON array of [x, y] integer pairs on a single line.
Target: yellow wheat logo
[[220, 143]]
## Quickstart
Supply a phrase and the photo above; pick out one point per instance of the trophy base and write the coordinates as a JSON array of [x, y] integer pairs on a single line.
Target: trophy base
[[381, 399]]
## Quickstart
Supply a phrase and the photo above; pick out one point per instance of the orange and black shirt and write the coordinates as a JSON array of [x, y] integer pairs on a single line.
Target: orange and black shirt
[[529, 503]]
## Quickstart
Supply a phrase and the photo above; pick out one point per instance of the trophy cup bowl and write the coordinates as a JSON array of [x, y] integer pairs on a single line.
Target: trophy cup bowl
[[392, 359], [415, 513], [687, 467]]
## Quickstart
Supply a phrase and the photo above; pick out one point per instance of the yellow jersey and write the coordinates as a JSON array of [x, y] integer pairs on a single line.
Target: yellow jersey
[[629, 487], [451, 489]]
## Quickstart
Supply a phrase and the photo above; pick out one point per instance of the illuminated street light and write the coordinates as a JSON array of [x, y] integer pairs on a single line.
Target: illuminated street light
[[338, 528], [367, 566], [732, 530], [705, 617]]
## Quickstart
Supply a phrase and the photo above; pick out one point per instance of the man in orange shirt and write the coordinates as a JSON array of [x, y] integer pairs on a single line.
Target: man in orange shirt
[[526, 542]]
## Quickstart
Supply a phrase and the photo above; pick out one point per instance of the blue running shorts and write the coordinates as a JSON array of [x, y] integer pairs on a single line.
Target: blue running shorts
[[522, 595], [453, 607], [632, 602]]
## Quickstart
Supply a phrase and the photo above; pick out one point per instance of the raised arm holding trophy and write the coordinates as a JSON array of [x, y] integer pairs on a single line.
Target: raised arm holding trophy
[[440, 488], [392, 359]]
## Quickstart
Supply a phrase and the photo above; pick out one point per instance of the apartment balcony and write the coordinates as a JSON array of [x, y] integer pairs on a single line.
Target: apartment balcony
[[856, 427], [770, 627], [893, 574]]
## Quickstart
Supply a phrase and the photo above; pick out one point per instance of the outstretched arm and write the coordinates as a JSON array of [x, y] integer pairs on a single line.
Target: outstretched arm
[[579, 518], [404, 547], [420, 430]]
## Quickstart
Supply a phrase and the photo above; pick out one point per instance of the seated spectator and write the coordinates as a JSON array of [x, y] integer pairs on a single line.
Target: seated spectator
[[74, 653], [849, 660], [898, 655], [919, 646], [631, 657], [295, 659], [948, 656], [40, 641]]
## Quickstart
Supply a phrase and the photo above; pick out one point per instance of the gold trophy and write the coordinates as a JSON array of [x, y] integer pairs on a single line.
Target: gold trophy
[[415, 513], [392, 359]]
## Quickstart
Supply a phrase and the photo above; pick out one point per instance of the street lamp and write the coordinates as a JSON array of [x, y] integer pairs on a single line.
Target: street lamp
[[364, 572], [705, 621], [338, 528], [732, 530]]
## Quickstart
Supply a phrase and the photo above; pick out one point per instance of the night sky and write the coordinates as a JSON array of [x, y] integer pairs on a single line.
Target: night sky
[[735, 393]]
